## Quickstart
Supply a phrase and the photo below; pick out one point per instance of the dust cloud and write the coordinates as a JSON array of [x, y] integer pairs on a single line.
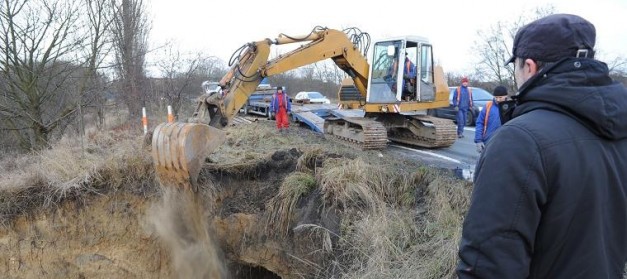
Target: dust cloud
[[179, 222]]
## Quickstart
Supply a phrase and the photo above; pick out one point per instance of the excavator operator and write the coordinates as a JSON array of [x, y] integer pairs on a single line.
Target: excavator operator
[[409, 77]]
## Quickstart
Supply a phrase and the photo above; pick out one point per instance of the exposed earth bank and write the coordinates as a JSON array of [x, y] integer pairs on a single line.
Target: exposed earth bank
[[269, 206]]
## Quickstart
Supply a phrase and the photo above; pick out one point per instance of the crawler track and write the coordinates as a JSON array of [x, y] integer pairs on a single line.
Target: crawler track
[[363, 133], [426, 131]]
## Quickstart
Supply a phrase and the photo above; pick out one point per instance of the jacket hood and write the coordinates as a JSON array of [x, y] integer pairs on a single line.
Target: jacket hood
[[582, 89]]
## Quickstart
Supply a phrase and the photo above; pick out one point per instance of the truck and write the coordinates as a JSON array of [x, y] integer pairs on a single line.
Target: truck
[[259, 101], [386, 98]]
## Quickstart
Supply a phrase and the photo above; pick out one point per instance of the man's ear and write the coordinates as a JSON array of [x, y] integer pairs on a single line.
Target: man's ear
[[532, 67]]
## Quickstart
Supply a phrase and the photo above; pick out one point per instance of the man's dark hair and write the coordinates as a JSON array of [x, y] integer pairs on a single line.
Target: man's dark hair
[[539, 64]]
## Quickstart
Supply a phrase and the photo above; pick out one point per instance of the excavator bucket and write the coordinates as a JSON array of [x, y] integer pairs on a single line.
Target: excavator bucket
[[179, 150]]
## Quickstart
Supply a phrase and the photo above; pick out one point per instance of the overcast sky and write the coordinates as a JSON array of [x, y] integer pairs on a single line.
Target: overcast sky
[[218, 28]]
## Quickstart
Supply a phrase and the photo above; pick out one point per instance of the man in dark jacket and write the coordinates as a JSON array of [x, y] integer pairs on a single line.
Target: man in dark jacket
[[550, 190]]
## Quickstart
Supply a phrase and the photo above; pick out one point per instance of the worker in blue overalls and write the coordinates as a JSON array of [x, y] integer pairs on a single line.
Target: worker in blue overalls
[[462, 100]]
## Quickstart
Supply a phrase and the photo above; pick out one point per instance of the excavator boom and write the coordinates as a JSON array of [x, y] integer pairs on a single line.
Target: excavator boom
[[179, 149], [252, 65]]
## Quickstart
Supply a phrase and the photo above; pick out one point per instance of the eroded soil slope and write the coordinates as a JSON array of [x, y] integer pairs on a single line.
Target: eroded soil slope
[[269, 206]]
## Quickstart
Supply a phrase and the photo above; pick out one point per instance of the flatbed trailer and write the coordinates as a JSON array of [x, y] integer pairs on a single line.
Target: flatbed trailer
[[313, 115]]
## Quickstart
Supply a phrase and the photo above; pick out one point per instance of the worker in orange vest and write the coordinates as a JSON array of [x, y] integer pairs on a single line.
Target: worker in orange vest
[[489, 119]]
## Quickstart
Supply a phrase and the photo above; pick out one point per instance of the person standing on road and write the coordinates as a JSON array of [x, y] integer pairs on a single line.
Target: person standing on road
[[489, 120], [462, 100], [550, 190], [281, 106]]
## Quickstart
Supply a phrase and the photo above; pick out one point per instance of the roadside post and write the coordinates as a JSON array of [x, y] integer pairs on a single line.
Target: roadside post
[[170, 115], [144, 120]]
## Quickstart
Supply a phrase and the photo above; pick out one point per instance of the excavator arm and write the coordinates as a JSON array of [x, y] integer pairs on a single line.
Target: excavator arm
[[179, 149], [253, 65]]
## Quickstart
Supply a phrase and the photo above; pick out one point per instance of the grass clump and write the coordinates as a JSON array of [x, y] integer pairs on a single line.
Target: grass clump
[[379, 245], [254, 140], [68, 171], [309, 161], [346, 183], [281, 207], [397, 222], [354, 182], [446, 202]]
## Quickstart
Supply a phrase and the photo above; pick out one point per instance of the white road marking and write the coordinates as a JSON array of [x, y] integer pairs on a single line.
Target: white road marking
[[429, 153], [469, 129]]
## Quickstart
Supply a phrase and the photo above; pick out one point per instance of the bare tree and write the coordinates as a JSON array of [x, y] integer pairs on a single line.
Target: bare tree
[[308, 73], [618, 65], [177, 71], [327, 71], [98, 19], [493, 52], [494, 45], [38, 38], [130, 39], [618, 69], [210, 68]]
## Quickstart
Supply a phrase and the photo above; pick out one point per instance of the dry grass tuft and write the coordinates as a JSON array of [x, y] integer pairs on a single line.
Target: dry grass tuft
[[309, 160], [399, 240], [357, 183], [66, 165], [245, 168], [68, 172], [345, 182], [14, 171], [447, 202], [379, 245], [281, 207], [128, 167], [324, 235]]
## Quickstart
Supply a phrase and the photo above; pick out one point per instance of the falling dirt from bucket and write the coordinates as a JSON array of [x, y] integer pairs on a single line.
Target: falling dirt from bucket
[[179, 222]]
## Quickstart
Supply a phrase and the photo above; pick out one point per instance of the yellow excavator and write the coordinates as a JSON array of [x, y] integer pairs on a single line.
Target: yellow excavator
[[386, 99]]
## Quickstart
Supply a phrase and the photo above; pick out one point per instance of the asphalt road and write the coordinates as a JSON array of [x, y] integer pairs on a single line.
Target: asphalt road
[[461, 157]]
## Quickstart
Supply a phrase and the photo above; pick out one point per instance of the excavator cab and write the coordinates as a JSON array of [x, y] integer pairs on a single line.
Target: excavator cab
[[401, 71], [403, 84]]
